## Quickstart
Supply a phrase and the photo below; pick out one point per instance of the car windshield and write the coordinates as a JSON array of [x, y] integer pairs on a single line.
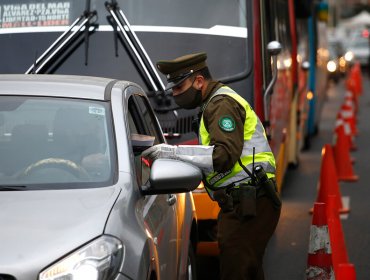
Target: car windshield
[[54, 142]]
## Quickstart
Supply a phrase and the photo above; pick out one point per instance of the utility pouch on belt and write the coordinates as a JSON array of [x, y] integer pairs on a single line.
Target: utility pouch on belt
[[248, 201], [268, 185], [224, 200], [270, 188]]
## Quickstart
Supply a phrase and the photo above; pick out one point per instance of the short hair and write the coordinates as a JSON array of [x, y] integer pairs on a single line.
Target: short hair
[[205, 73]]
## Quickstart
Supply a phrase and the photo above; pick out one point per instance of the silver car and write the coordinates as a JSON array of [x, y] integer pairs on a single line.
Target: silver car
[[77, 199], [359, 50]]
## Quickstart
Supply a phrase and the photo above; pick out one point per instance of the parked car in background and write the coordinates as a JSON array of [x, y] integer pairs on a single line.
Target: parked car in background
[[78, 200], [359, 48]]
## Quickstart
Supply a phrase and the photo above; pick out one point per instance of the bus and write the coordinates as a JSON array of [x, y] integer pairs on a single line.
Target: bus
[[251, 47], [312, 20]]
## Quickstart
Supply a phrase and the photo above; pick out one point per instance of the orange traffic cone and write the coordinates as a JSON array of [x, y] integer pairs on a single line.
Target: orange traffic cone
[[319, 262], [347, 132], [350, 104], [354, 80], [342, 157], [347, 114], [357, 77], [328, 183], [339, 251], [351, 97], [346, 271]]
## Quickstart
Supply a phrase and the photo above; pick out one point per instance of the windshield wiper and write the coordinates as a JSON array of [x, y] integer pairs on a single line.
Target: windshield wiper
[[86, 20], [133, 43], [139, 56], [13, 188]]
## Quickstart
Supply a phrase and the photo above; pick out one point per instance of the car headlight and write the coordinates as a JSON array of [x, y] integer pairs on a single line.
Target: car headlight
[[98, 260], [349, 56], [331, 66]]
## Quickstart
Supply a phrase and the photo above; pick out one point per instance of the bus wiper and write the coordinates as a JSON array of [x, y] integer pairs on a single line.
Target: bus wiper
[[137, 51], [12, 188], [69, 36], [87, 30]]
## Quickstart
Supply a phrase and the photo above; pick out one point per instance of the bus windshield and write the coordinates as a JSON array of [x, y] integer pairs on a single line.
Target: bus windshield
[[166, 29], [198, 14]]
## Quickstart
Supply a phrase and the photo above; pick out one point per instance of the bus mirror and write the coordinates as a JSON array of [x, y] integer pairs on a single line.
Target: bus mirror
[[305, 65], [274, 48]]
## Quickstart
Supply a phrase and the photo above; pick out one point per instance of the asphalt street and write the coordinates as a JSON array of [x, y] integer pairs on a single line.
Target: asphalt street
[[286, 256]]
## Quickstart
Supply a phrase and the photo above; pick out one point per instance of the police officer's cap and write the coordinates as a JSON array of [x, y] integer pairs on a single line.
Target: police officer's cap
[[181, 68]]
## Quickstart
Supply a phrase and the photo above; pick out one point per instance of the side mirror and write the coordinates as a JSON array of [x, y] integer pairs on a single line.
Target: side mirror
[[172, 176], [274, 48], [305, 66]]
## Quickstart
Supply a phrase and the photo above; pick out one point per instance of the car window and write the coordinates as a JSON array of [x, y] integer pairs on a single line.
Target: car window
[[55, 142], [142, 121]]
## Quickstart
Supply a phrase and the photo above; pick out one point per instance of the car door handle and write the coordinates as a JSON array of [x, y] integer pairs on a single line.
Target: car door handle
[[171, 199]]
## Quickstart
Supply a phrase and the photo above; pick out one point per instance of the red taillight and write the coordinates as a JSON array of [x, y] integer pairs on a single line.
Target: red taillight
[[365, 33]]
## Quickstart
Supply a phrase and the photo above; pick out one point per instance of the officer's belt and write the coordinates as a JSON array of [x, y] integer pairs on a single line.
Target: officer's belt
[[236, 191], [235, 185]]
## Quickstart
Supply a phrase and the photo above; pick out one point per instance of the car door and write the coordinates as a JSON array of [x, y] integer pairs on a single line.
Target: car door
[[158, 211]]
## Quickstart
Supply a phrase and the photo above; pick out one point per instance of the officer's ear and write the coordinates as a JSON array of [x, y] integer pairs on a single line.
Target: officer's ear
[[199, 82]]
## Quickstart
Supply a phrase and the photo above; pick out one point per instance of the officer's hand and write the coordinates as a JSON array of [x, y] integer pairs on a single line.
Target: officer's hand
[[160, 151]]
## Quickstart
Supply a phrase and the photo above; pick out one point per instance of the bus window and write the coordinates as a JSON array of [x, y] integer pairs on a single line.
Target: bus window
[[36, 24]]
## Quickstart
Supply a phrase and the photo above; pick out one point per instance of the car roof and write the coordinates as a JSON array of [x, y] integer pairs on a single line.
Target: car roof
[[55, 85]]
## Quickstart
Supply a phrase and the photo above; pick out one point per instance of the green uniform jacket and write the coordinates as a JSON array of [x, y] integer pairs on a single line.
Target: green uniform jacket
[[230, 125]]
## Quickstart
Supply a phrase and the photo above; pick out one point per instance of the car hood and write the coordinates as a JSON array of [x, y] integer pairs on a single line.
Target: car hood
[[39, 227]]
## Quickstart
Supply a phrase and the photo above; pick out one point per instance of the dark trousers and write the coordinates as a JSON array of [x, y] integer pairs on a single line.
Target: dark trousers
[[242, 241]]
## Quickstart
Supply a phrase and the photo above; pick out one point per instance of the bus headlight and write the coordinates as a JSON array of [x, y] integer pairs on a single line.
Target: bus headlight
[[98, 260], [331, 66]]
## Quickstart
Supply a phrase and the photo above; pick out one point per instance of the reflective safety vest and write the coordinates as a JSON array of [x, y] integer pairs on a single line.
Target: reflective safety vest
[[254, 136]]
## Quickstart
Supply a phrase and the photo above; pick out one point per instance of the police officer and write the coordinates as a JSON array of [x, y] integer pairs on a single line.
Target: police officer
[[233, 141]]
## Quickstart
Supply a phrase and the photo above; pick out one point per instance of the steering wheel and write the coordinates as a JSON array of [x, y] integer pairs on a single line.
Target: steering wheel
[[67, 165]]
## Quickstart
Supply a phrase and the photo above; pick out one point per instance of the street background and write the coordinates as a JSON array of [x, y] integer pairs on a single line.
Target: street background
[[286, 255]]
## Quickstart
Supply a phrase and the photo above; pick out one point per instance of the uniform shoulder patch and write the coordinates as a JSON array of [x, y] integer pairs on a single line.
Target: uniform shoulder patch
[[226, 123]]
